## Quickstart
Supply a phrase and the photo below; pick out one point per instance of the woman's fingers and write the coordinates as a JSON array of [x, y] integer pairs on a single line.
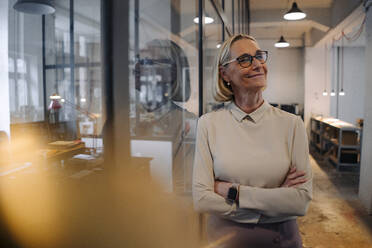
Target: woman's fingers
[[294, 177], [293, 169], [295, 174], [296, 181]]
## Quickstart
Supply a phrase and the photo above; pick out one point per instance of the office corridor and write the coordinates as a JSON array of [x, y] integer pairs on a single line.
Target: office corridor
[[336, 217]]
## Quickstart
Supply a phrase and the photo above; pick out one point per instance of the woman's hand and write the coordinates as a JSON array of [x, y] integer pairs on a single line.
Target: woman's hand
[[222, 188], [294, 178]]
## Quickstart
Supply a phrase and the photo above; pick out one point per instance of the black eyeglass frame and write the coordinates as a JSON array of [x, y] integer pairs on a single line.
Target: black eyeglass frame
[[250, 59]]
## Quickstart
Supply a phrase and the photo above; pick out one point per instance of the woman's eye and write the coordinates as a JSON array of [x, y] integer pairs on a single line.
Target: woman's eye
[[245, 59]]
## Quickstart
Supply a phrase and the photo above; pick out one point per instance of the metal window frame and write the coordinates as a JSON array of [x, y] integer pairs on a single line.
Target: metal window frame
[[71, 65]]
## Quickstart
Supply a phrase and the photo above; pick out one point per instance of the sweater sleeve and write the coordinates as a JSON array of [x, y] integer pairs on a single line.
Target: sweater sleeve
[[204, 197], [292, 201]]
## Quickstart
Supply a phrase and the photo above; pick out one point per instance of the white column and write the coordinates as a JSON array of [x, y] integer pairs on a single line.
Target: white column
[[365, 184], [4, 77]]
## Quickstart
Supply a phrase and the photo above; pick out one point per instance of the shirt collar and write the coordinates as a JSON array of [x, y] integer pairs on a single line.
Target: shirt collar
[[255, 116]]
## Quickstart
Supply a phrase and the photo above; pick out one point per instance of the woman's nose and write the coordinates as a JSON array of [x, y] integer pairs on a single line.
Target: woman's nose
[[256, 63]]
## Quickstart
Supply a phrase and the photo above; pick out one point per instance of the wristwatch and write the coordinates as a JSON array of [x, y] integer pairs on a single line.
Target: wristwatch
[[232, 194]]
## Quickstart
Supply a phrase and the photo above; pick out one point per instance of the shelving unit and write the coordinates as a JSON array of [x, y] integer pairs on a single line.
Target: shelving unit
[[337, 141]]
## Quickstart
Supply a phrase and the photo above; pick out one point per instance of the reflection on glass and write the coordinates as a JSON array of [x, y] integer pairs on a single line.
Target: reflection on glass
[[24, 67], [162, 79], [164, 89], [213, 37], [78, 83]]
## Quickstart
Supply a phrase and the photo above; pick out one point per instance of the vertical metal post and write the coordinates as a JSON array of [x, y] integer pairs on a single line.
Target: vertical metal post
[[106, 41], [72, 69], [200, 25], [223, 24], [72, 52], [44, 70], [115, 66], [136, 28], [239, 17], [243, 16], [248, 10], [233, 16], [175, 17]]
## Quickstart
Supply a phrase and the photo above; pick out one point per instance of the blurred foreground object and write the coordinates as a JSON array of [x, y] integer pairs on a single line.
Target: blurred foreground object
[[123, 209]]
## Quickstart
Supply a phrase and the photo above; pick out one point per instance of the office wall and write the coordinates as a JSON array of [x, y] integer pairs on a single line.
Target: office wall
[[4, 80], [365, 182], [316, 78], [285, 74], [347, 108], [351, 105]]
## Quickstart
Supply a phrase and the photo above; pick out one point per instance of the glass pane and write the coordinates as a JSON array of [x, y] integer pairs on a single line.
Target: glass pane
[[229, 15], [78, 85], [25, 67], [57, 34], [87, 31], [59, 83], [212, 37], [87, 70], [164, 88]]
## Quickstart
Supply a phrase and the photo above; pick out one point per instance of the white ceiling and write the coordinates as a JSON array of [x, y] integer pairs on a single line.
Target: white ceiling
[[283, 4], [267, 19]]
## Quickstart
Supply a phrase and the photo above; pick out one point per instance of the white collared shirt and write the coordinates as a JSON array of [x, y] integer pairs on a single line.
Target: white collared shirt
[[256, 151]]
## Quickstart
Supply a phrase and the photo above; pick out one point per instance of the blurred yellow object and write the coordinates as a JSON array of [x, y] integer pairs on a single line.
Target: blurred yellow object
[[121, 209]]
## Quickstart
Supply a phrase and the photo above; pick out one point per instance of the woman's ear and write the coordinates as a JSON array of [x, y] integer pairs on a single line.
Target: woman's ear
[[223, 73]]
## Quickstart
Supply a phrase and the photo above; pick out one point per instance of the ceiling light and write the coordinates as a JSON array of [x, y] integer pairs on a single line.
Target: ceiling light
[[207, 20], [294, 13], [333, 93], [342, 92], [36, 7], [281, 42], [218, 45], [325, 93]]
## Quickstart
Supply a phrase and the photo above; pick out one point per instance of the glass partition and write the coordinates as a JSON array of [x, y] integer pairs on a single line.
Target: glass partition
[[164, 88], [73, 68], [25, 67]]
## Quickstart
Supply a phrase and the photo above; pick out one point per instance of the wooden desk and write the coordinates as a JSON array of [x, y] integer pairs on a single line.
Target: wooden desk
[[61, 153]]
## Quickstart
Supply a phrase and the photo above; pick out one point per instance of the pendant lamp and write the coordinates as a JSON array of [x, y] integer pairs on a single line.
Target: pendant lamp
[[325, 93], [36, 7], [294, 13], [281, 42], [342, 92]]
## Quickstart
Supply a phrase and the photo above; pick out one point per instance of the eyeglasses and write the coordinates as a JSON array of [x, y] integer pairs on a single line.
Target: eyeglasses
[[246, 60]]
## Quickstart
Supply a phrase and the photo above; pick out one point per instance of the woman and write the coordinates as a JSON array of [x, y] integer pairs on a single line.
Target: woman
[[251, 168]]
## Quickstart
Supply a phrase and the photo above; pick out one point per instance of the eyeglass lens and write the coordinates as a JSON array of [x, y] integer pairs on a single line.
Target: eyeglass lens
[[246, 60]]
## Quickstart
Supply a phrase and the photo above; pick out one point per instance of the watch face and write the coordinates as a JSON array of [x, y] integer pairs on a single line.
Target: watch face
[[231, 195]]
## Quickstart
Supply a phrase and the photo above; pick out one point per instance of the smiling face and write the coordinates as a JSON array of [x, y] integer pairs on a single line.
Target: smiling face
[[252, 78]]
